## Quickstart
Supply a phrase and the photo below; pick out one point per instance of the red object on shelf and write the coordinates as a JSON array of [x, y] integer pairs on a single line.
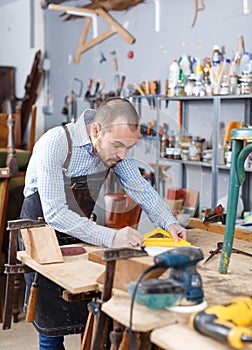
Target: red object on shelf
[[176, 193]]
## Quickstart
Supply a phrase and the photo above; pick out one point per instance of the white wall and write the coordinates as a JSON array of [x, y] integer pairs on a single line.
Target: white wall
[[16, 46]]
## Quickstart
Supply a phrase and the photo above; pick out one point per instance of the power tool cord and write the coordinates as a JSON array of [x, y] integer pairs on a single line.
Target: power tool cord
[[144, 273]]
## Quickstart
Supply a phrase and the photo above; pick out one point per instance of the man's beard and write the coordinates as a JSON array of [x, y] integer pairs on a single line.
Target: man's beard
[[97, 149]]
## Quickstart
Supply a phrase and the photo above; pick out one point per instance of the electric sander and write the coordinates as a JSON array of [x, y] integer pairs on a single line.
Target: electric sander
[[183, 287]]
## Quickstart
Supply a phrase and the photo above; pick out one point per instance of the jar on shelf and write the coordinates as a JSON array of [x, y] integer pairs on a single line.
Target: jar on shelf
[[164, 142], [228, 153], [197, 142], [189, 85], [233, 83]]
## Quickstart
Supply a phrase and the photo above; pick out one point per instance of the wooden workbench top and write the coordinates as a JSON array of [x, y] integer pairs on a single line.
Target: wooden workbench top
[[76, 274], [171, 329]]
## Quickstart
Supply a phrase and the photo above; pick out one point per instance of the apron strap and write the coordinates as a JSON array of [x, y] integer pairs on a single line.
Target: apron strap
[[69, 154]]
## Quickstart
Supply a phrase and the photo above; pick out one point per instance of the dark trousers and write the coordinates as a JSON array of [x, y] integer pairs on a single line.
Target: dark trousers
[[54, 316]]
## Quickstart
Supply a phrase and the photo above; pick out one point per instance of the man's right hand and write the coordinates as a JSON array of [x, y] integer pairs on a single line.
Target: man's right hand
[[127, 237]]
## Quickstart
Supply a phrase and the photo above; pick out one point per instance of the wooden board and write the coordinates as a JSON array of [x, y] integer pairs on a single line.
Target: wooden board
[[42, 245], [182, 335], [76, 274], [220, 229], [144, 319], [126, 270]]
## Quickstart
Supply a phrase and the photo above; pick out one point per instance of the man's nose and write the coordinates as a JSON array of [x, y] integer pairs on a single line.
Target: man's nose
[[121, 154]]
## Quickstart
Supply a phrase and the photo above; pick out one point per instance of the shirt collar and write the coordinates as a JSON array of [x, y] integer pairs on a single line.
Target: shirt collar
[[81, 136]]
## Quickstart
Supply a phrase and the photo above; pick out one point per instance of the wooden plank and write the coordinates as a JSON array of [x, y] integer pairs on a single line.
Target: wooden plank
[[177, 336], [126, 270], [220, 229], [114, 24], [82, 39], [42, 245], [76, 274]]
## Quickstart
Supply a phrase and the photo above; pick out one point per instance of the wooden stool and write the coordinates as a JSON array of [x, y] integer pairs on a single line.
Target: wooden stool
[[236, 179]]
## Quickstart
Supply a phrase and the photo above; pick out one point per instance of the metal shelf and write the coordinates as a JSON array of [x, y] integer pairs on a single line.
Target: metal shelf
[[216, 101]]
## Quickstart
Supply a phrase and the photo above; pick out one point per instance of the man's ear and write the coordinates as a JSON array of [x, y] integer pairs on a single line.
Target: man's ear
[[95, 130]]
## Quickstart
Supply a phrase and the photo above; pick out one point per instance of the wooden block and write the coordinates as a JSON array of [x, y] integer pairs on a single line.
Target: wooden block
[[127, 270], [42, 245]]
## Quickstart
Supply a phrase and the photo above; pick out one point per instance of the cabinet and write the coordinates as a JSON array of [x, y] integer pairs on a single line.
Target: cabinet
[[213, 106]]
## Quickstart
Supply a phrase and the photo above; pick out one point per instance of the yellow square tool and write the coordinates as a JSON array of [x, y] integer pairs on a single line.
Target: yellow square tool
[[162, 238]]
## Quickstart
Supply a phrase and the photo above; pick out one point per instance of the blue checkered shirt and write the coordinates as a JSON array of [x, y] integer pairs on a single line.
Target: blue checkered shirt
[[45, 175]]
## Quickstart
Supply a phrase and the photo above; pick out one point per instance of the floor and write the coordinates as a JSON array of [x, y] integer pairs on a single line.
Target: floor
[[22, 335]]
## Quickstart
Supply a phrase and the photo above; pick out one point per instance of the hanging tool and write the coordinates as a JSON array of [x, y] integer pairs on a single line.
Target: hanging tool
[[139, 89], [197, 8], [115, 63], [89, 87], [103, 58], [119, 84], [219, 248], [146, 89], [184, 284], [228, 323], [153, 91]]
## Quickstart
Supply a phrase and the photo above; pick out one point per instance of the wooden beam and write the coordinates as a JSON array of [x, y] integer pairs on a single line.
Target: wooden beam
[[113, 23], [93, 42], [81, 10], [83, 39]]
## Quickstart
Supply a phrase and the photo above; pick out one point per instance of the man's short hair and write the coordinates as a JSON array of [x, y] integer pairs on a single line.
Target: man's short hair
[[114, 108]]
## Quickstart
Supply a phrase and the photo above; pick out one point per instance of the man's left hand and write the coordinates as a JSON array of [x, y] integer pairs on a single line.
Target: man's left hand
[[177, 231]]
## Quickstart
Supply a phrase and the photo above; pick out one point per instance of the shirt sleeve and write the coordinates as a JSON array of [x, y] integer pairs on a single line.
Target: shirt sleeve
[[143, 193], [46, 166]]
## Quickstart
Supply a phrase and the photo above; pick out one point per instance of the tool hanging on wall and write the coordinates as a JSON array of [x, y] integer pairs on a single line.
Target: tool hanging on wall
[[197, 8], [70, 106], [115, 62], [103, 58]]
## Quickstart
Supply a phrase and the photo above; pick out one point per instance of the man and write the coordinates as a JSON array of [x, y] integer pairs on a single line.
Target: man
[[71, 161]]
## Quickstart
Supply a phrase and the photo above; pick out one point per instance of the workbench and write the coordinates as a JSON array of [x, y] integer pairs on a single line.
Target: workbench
[[168, 329]]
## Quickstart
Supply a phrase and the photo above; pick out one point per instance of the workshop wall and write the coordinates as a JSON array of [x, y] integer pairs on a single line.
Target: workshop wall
[[222, 23]]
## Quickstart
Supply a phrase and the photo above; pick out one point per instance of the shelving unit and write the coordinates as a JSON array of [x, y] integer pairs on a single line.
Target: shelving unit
[[216, 118]]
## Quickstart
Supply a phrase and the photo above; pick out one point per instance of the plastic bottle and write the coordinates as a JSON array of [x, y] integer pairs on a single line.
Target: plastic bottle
[[185, 66], [173, 74], [250, 65], [244, 64], [216, 57]]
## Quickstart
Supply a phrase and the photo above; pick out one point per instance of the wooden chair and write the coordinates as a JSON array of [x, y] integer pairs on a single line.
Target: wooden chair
[[13, 163], [9, 169], [22, 150]]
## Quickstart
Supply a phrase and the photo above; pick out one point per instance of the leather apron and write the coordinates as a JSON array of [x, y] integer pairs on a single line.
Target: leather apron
[[54, 316]]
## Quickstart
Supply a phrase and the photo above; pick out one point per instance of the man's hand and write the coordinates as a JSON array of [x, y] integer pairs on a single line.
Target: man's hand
[[127, 237], [177, 231]]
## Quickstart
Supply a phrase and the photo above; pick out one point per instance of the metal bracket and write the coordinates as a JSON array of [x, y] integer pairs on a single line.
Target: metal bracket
[[111, 254], [18, 268]]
